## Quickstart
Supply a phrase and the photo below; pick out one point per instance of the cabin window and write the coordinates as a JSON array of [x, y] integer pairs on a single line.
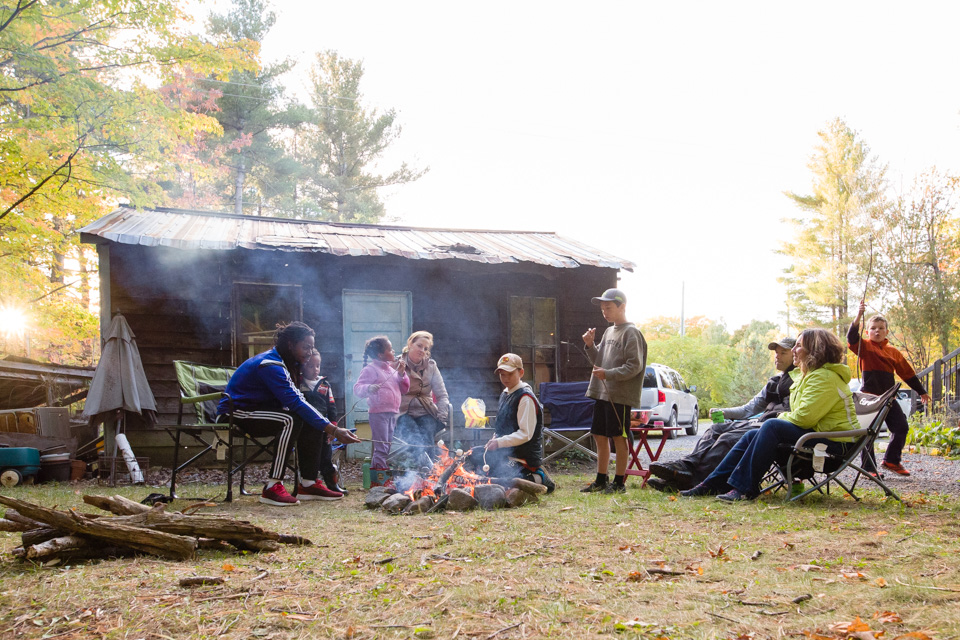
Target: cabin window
[[257, 310], [533, 337]]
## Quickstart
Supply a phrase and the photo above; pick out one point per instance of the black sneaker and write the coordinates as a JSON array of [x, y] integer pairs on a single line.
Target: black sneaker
[[670, 472], [593, 487], [614, 487], [661, 485]]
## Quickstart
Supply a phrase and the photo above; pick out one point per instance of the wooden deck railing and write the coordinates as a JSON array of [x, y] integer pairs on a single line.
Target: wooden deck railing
[[942, 381]]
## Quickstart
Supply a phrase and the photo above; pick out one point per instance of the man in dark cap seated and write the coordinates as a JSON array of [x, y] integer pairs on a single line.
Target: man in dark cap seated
[[714, 444]]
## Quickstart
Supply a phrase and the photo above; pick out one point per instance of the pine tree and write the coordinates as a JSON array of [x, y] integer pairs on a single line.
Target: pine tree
[[833, 243], [341, 145]]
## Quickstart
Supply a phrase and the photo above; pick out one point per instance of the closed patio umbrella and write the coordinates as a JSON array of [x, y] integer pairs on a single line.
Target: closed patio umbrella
[[119, 383]]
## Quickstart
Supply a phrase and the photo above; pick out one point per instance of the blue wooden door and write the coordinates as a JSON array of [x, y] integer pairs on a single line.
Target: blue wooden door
[[367, 314]]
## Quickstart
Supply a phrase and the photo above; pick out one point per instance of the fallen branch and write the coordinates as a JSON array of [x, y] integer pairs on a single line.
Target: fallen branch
[[920, 586], [199, 581], [499, 631]]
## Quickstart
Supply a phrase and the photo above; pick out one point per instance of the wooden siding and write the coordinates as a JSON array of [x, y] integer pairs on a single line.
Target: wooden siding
[[178, 304]]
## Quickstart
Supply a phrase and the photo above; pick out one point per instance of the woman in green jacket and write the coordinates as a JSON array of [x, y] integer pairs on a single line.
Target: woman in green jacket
[[820, 400]]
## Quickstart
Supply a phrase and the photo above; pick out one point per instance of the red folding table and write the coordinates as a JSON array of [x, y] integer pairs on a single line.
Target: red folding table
[[640, 429]]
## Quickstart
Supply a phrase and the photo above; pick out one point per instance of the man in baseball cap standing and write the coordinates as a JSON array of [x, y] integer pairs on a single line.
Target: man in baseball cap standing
[[619, 361]]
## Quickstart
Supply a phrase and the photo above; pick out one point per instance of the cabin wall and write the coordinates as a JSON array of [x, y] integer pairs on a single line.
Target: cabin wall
[[178, 304]]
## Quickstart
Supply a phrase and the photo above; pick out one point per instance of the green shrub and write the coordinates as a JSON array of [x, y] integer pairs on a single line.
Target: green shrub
[[934, 432]]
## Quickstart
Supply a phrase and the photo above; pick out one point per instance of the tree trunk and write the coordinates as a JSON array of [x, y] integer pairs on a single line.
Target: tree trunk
[[238, 186]]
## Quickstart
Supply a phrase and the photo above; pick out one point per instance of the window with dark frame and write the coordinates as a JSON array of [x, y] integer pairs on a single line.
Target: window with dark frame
[[533, 337], [257, 309]]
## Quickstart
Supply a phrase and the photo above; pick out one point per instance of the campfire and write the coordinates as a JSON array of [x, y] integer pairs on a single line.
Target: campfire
[[448, 485]]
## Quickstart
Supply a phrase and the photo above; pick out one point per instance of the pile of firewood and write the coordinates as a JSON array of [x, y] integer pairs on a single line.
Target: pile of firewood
[[50, 534]]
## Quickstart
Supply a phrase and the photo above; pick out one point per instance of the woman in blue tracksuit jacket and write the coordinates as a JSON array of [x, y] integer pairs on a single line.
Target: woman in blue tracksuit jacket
[[267, 401]]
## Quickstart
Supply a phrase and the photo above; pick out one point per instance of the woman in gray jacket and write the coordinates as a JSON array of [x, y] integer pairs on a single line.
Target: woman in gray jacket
[[424, 408]]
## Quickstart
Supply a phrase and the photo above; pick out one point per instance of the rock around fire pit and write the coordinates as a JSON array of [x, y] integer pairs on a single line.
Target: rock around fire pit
[[449, 486]]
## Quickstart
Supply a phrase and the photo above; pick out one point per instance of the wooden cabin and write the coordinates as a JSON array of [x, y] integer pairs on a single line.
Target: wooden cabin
[[211, 287]]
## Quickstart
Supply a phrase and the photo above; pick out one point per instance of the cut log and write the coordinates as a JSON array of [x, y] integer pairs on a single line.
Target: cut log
[[289, 538], [116, 504], [73, 548], [55, 546], [44, 533], [420, 505], [153, 542], [256, 546], [198, 581], [520, 483], [15, 516], [10, 525], [206, 526]]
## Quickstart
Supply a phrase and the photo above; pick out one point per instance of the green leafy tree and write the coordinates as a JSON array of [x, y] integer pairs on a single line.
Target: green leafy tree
[[918, 270], [82, 129], [712, 367], [340, 147], [833, 240], [755, 360]]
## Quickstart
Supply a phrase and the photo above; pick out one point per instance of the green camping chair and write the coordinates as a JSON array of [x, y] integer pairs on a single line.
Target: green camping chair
[[202, 387]]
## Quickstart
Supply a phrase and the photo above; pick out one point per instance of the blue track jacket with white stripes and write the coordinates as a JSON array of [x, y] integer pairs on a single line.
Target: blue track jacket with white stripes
[[263, 383]]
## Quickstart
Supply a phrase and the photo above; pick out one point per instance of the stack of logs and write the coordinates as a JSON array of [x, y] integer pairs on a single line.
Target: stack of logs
[[500, 493], [50, 534]]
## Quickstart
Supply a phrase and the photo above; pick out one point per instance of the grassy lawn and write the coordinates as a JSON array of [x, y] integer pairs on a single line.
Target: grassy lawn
[[640, 565]]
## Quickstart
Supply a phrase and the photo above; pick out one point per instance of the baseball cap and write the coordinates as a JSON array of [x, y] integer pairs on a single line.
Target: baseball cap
[[509, 362], [786, 342], [611, 295]]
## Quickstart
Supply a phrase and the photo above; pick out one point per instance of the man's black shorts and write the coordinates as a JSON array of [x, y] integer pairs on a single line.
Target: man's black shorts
[[610, 419]]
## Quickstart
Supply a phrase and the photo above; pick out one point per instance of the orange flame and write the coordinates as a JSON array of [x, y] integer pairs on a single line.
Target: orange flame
[[459, 478]]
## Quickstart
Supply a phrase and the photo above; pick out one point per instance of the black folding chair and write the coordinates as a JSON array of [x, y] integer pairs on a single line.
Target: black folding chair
[[796, 462], [202, 387]]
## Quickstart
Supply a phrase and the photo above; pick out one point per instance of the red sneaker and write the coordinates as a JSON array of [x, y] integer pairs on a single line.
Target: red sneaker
[[277, 496], [896, 467], [317, 491]]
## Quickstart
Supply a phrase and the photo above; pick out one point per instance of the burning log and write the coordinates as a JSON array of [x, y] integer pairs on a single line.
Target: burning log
[[490, 496], [461, 500], [396, 503]]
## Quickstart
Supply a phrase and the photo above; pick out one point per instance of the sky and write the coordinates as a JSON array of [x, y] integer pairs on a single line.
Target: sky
[[665, 133]]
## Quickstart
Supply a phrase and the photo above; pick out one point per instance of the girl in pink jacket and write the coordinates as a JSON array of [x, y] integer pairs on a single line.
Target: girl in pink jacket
[[382, 382]]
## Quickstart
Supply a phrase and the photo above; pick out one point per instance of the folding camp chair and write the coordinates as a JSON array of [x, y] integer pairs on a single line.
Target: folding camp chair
[[202, 386], [571, 412], [796, 462]]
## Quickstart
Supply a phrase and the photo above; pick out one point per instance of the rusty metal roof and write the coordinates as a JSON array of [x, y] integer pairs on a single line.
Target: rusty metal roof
[[184, 229]]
